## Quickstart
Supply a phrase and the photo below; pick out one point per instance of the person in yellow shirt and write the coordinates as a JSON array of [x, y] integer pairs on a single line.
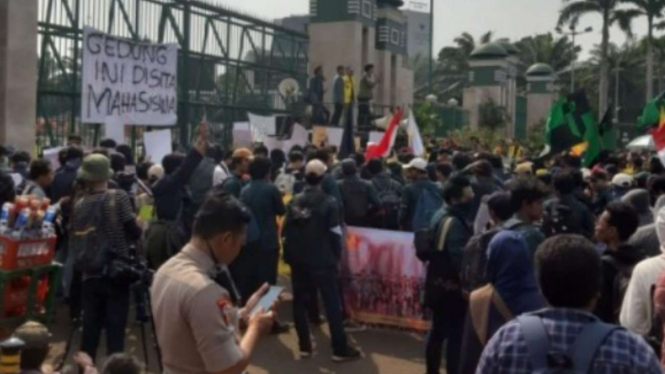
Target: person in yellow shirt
[[349, 94]]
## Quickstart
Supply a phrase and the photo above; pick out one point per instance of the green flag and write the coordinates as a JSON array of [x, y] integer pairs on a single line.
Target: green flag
[[651, 113], [583, 119], [560, 133]]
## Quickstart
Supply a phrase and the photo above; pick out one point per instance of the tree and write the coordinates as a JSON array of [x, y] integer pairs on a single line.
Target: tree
[[426, 117], [558, 53], [630, 59], [492, 116], [652, 10], [611, 14], [451, 70]]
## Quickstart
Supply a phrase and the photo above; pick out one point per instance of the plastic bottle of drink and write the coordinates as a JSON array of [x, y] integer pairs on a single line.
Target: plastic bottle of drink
[[6, 217], [22, 222], [47, 224]]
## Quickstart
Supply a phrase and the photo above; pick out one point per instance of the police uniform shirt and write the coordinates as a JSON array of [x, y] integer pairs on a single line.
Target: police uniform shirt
[[194, 318]]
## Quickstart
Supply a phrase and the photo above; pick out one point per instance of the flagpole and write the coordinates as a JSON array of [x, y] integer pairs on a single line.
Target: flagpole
[[431, 45]]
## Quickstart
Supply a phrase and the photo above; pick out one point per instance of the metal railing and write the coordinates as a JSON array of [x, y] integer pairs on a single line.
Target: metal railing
[[229, 63]]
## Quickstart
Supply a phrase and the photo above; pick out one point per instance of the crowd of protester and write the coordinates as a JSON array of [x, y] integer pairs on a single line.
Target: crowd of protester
[[520, 252]]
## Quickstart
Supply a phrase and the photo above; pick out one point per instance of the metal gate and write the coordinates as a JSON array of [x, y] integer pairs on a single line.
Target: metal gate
[[228, 64]]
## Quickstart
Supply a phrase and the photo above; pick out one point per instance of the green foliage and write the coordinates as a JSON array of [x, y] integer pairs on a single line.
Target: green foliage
[[486, 136], [492, 116], [426, 117], [535, 137]]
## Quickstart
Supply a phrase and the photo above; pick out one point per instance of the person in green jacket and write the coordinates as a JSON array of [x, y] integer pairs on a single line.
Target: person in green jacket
[[365, 95]]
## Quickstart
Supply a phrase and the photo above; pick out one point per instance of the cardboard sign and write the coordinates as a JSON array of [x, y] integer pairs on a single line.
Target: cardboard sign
[[122, 78]]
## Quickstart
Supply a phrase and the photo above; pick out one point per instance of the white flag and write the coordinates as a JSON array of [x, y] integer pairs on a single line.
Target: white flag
[[415, 140]]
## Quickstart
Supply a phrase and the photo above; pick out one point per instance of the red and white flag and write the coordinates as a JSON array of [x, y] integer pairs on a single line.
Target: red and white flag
[[382, 149], [659, 136]]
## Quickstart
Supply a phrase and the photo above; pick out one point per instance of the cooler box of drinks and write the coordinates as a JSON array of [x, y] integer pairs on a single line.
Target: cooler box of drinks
[[26, 253], [28, 294]]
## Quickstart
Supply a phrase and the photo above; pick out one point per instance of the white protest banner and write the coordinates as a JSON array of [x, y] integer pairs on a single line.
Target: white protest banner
[[242, 135], [299, 135], [157, 144], [335, 135], [114, 128], [375, 136], [122, 78], [266, 125], [273, 143], [51, 155]]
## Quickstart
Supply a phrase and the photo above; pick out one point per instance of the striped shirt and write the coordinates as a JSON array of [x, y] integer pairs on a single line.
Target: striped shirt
[[116, 216]]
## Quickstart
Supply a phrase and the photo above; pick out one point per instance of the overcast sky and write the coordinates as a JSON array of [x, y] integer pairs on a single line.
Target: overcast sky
[[506, 18]]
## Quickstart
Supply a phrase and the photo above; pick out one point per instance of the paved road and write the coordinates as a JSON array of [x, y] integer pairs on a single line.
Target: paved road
[[386, 351]]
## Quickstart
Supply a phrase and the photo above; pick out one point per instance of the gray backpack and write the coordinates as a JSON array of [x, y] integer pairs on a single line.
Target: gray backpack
[[579, 357]]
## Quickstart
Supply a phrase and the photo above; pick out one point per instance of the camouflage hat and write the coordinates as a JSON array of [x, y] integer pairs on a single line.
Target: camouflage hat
[[95, 168]]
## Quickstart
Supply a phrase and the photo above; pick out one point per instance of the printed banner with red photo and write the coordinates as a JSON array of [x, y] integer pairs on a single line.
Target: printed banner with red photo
[[382, 278]]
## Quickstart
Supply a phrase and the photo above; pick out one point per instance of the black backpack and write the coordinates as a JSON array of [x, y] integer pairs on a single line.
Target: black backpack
[[620, 284], [558, 219], [354, 199], [89, 240], [389, 195], [305, 221], [473, 268]]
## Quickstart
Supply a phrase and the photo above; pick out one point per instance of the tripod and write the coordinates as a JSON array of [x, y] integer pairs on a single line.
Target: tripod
[[143, 316]]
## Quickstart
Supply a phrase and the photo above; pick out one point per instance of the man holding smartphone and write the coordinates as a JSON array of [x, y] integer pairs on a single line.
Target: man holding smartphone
[[196, 321]]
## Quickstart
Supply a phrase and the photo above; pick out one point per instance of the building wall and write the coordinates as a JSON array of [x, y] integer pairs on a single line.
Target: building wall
[[418, 33], [339, 43], [474, 96], [18, 73], [538, 107]]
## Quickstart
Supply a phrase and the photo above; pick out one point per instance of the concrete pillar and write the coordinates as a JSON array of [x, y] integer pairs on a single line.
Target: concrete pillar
[[18, 73]]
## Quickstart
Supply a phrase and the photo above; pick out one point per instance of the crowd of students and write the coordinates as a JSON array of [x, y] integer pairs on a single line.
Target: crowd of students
[[542, 237]]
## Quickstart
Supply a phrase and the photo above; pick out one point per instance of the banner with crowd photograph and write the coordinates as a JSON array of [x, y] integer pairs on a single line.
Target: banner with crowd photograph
[[382, 278], [136, 82]]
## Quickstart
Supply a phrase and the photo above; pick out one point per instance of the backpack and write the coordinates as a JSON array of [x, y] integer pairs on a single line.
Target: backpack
[[620, 283], [473, 268], [304, 223], [557, 220], [655, 336], [389, 195], [89, 239], [578, 359], [285, 182], [428, 203], [354, 199]]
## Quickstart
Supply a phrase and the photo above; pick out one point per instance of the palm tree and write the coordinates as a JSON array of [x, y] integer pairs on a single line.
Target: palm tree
[[451, 69], [630, 58], [609, 10], [558, 53], [652, 9]]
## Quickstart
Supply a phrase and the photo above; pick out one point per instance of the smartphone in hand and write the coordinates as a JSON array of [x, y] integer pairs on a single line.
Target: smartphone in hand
[[267, 300]]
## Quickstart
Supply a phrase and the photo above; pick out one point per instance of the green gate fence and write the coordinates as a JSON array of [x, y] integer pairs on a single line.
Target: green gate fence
[[229, 63]]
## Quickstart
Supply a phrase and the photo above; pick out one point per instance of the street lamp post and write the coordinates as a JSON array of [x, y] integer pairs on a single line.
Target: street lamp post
[[617, 109], [573, 34], [431, 46]]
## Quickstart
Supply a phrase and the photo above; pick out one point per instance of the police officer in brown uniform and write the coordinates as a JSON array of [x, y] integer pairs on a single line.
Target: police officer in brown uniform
[[196, 321]]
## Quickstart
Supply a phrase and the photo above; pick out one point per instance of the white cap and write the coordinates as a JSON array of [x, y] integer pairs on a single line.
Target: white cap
[[156, 171], [316, 167], [417, 163], [623, 180]]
